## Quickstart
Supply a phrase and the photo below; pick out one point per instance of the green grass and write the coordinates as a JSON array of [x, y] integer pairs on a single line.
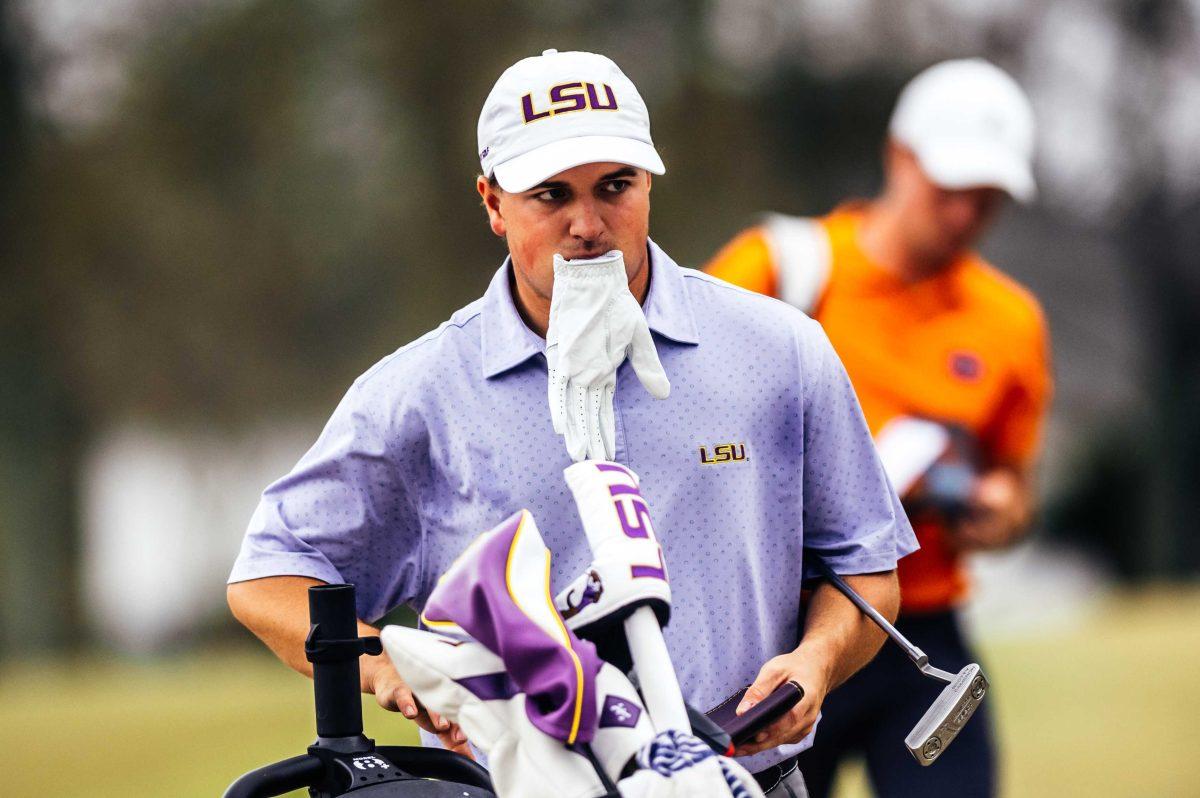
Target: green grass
[[1108, 709], [118, 730]]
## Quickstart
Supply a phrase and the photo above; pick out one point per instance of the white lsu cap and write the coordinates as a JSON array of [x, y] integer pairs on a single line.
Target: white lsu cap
[[970, 125], [555, 111]]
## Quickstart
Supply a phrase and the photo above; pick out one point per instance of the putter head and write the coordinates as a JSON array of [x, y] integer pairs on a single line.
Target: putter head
[[942, 722]]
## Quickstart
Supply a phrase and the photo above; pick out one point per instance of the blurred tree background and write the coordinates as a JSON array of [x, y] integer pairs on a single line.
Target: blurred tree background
[[221, 212]]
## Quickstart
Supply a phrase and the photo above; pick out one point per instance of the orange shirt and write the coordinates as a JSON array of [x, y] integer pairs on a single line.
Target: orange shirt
[[968, 346]]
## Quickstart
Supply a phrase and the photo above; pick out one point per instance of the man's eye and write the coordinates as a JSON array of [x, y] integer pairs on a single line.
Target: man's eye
[[550, 195], [616, 186]]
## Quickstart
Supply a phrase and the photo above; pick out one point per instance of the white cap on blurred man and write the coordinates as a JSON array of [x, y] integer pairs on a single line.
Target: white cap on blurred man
[[970, 125], [555, 111]]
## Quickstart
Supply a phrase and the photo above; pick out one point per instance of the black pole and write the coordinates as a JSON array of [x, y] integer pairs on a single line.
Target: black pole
[[333, 647]]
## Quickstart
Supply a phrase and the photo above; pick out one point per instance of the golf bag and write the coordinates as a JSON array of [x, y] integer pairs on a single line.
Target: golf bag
[[529, 686]]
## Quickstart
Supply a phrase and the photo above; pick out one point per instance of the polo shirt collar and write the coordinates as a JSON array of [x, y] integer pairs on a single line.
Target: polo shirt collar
[[668, 308], [507, 343]]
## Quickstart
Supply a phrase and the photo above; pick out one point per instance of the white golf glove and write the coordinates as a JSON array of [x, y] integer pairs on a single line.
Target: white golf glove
[[595, 323]]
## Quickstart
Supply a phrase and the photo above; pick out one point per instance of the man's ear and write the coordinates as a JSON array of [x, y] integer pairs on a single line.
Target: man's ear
[[491, 203]]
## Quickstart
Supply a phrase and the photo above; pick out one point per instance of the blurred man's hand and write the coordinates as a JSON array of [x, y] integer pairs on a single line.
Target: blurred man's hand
[[998, 512]]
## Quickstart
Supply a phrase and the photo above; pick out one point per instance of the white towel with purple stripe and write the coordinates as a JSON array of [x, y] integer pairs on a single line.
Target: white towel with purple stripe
[[674, 765]]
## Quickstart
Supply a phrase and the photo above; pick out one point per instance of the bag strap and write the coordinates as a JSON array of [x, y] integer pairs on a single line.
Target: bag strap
[[803, 258]]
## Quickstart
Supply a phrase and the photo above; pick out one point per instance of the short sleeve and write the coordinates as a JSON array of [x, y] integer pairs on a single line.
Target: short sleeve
[[853, 519], [343, 513], [1014, 433]]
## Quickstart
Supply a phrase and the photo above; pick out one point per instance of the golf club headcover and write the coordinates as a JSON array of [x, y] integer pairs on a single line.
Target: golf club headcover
[[595, 605], [470, 686], [497, 591], [616, 520], [628, 569]]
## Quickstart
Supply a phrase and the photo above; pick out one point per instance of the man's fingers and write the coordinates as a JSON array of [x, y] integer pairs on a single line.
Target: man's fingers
[[454, 740], [398, 698], [451, 735], [431, 721], [769, 677], [791, 728], [768, 738], [440, 724], [389, 699], [797, 722]]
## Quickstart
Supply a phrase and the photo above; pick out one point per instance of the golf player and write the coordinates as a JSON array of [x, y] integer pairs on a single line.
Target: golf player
[[927, 330], [452, 433]]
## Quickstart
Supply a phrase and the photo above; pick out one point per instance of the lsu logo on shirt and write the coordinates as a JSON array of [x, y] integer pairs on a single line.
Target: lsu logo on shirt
[[567, 97], [723, 453]]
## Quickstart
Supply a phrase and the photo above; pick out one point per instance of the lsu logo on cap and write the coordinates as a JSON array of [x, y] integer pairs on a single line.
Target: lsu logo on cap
[[567, 97]]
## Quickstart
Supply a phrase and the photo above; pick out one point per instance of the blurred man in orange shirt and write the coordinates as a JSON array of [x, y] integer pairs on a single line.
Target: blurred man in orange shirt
[[929, 332]]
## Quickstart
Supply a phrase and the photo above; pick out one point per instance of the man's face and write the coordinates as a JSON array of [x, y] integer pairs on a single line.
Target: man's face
[[939, 223], [580, 213]]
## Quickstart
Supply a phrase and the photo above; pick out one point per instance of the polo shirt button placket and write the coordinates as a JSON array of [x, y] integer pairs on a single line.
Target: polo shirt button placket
[[626, 381]]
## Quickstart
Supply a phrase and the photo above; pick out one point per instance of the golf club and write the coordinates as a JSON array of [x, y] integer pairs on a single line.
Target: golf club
[[957, 702]]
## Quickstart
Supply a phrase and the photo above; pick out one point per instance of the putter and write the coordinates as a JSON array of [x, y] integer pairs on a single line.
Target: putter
[[957, 702]]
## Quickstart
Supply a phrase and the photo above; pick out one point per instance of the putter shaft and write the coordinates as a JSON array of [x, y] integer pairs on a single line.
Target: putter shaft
[[919, 657]]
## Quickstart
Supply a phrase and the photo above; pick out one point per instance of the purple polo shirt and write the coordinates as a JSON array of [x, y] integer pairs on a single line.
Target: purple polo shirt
[[759, 453]]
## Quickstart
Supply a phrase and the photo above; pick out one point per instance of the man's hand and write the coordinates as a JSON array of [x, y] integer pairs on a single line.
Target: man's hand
[[276, 609], [837, 641], [806, 669], [998, 514], [394, 695]]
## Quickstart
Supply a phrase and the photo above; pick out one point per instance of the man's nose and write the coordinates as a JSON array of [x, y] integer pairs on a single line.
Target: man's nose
[[973, 207], [964, 210], [586, 222]]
